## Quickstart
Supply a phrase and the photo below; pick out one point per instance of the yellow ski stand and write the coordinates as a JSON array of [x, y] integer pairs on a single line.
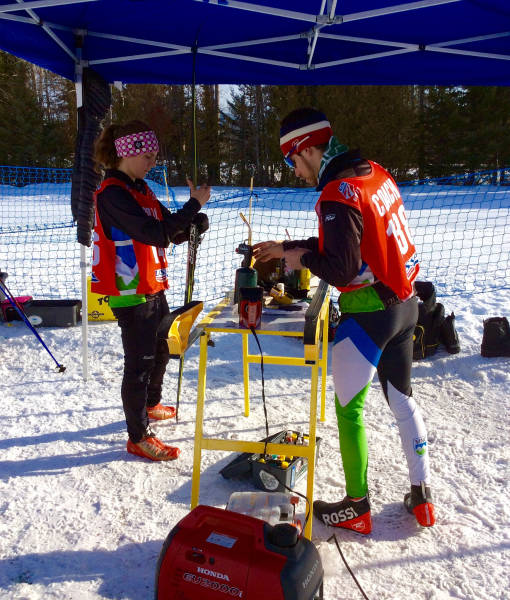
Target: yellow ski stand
[[175, 328], [312, 328]]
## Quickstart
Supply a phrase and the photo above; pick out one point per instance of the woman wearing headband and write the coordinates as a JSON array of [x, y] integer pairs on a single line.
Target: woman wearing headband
[[132, 229]]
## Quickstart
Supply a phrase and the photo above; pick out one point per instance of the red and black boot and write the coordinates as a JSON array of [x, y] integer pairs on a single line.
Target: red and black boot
[[348, 513], [419, 503]]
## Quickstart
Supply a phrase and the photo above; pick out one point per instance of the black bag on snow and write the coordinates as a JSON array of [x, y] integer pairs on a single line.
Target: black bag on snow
[[431, 316]]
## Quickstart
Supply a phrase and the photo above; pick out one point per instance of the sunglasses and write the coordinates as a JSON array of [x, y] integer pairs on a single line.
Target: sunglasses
[[287, 158]]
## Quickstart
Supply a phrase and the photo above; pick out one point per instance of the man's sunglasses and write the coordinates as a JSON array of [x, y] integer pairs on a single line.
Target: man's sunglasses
[[287, 158]]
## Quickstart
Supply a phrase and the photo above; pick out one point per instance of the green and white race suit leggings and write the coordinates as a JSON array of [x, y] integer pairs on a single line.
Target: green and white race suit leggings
[[366, 342]]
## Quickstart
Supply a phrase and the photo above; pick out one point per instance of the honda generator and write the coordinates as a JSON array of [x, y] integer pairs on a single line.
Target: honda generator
[[215, 554]]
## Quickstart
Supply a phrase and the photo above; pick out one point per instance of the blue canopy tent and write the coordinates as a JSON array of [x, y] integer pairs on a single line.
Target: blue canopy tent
[[304, 42]]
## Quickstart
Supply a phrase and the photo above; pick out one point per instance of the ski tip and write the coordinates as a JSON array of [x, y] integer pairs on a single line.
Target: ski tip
[[60, 368]]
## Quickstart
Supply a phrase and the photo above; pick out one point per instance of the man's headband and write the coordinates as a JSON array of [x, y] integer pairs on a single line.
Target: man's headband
[[136, 143], [303, 136]]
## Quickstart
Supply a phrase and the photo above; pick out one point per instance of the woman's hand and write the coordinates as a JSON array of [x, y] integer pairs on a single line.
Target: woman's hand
[[201, 193], [265, 251]]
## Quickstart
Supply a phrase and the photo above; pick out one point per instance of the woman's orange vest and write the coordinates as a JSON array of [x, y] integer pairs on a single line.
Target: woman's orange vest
[[148, 264], [386, 245]]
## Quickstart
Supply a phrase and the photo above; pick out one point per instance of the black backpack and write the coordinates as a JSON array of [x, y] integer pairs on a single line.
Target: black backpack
[[427, 333], [432, 327]]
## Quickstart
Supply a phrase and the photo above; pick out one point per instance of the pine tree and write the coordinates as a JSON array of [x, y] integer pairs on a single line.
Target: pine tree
[[443, 130], [22, 132], [208, 134]]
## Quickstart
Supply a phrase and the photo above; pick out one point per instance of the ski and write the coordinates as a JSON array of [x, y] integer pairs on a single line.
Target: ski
[[193, 243]]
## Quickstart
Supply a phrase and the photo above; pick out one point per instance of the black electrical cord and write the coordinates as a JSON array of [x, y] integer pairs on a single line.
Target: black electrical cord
[[333, 537], [308, 506], [252, 329]]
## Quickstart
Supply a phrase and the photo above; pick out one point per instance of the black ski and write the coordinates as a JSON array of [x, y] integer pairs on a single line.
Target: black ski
[[194, 242]]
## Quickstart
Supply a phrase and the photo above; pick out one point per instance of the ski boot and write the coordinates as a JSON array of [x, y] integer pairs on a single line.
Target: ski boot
[[348, 513], [419, 503], [448, 335], [496, 337]]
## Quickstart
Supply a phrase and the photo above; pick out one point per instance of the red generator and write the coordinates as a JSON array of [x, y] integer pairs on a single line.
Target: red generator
[[215, 554]]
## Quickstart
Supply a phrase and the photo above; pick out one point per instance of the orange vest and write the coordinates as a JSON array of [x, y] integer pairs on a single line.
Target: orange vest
[[387, 250], [124, 266]]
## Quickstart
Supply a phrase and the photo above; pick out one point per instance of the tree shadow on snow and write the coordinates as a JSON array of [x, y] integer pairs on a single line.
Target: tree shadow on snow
[[127, 573], [93, 434], [54, 464]]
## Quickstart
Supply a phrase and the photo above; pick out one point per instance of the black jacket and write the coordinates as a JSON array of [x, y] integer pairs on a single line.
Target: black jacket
[[341, 260], [117, 208]]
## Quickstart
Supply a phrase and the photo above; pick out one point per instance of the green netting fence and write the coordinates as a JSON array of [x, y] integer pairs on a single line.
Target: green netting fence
[[461, 228]]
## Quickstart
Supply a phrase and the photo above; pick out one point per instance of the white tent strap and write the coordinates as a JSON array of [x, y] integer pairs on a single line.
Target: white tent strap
[[115, 59], [9, 17], [354, 59], [469, 53], [35, 4], [266, 10], [368, 14], [125, 38], [271, 40], [478, 38], [390, 10]]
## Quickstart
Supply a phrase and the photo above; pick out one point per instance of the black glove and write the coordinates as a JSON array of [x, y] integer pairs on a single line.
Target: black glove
[[202, 223], [180, 237]]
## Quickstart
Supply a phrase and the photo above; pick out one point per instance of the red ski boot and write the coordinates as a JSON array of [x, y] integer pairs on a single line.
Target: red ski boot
[[419, 503]]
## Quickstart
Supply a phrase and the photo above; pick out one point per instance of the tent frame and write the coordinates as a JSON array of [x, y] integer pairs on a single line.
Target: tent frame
[[327, 16]]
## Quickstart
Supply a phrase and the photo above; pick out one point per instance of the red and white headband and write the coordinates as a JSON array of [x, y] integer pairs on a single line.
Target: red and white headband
[[306, 136], [136, 143]]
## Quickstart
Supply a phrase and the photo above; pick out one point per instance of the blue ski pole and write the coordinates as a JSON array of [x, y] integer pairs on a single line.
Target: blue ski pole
[[5, 290]]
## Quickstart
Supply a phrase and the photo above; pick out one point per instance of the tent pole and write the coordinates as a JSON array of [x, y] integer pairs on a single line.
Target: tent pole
[[83, 249], [84, 312], [194, 126]]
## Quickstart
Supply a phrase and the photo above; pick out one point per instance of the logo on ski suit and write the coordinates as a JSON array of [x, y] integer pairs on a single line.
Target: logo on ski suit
[[347, 190], [420, 445]]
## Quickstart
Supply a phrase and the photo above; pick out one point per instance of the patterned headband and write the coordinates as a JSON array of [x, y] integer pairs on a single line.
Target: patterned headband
[[136, 143]]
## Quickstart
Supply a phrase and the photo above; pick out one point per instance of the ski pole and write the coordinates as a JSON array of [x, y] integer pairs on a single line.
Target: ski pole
[[5, 290], [193, 232]]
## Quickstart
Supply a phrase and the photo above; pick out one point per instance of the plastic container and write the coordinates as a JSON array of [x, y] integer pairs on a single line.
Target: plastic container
[[271, 507]]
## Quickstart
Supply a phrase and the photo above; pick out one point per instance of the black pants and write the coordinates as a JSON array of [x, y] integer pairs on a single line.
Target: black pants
[[145, 360], [391, 331]]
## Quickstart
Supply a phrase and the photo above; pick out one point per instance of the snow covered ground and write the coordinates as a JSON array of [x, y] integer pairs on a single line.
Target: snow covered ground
[[81, 519]]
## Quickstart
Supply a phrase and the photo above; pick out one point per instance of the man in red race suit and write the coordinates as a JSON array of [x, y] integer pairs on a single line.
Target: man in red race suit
[[363, 248]]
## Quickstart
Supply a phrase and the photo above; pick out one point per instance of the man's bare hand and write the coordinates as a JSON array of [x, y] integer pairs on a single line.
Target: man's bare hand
[[293, 258], [201, 193], [265, 251]]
